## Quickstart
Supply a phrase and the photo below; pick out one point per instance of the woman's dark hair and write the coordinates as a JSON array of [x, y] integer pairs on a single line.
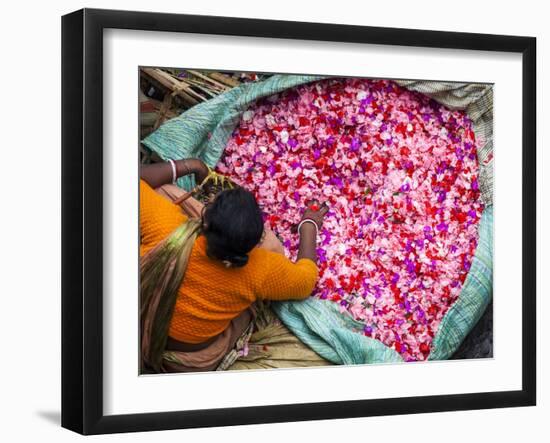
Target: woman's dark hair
[[233, 225]]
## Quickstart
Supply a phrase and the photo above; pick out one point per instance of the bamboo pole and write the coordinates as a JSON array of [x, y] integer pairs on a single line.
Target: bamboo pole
[[212, 92], [208, 79], [163, 111], [225, 79], [177, 87]]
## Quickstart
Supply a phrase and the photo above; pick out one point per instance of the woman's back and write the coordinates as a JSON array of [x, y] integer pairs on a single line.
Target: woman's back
[[212, 294]]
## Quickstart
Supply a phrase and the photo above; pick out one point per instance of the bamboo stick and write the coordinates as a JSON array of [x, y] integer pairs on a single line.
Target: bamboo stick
[[211, 92], [163, 111], [188, 90], [208, 79], [174, 85], [225, 79]]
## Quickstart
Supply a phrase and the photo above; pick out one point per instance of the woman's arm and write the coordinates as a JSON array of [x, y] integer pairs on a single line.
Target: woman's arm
[[286, 280], [308, 242], [308, 233], [158, 174]]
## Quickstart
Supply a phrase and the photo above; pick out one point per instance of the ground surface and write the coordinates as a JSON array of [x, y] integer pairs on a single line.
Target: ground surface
[[479, 342]]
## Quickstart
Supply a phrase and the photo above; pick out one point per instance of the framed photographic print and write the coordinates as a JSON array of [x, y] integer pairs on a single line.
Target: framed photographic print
[[269, 221]]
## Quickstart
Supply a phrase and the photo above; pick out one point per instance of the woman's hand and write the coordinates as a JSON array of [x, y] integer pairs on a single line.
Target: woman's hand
[[316, 212], [308, 238], [192, 166]]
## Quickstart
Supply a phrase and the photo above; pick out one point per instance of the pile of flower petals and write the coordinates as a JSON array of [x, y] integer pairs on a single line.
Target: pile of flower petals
[[399, 172]]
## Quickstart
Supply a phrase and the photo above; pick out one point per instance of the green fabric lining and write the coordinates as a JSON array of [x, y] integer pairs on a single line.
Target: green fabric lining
[[474, 297], [335, 336]]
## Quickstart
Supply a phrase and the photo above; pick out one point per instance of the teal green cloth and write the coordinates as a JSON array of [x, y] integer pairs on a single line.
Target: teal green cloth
[[333, 335], [203, 132], [474, 296]]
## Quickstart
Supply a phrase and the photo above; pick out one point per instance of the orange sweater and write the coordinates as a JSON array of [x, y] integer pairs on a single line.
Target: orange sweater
[[211, 295]]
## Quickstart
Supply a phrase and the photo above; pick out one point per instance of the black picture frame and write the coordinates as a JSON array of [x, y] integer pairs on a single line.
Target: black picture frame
[[82, 220]]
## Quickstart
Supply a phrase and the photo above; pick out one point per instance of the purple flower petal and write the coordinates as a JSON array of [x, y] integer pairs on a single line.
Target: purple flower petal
[[355, 144], [292, 142], [395, 278]]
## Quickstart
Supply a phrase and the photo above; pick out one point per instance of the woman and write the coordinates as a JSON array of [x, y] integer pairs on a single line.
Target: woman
[[199, 278]]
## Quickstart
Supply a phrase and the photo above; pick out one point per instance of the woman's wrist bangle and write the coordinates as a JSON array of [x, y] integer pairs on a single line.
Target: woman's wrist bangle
[[313, 222], [174, 173]]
